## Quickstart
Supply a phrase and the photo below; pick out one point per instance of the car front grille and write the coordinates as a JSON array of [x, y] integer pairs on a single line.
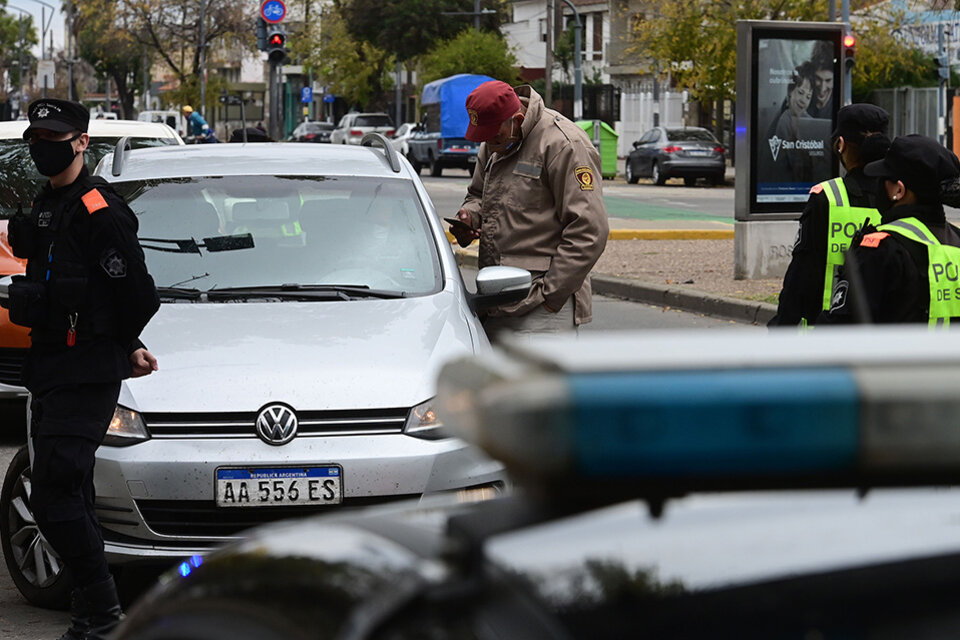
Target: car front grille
[[204, 519], [243, 424], [11, 365]]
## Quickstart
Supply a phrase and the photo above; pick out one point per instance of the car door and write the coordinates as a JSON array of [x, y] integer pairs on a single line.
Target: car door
[[645, 155]]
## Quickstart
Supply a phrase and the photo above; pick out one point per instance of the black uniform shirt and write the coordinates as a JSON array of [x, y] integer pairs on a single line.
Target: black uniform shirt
[[893, 275], [119, 296], [802, 294]]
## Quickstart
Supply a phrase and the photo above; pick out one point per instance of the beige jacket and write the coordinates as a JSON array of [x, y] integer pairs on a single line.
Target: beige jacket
[[540, 207]]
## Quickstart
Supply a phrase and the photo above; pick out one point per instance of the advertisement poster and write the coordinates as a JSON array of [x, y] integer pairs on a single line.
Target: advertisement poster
[[796, 98]]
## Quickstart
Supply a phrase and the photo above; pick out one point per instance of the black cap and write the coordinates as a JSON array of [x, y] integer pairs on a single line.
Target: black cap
[[854, 120], [57, 115], [920, 163]]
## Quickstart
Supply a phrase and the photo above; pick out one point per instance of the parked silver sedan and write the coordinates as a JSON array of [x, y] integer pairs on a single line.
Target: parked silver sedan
[[310, 297]]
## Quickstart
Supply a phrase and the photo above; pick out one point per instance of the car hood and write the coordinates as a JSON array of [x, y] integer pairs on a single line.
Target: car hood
[[310, 355]]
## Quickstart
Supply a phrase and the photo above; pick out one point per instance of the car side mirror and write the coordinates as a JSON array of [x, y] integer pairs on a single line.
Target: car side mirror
[[636, 145], [501, 285]]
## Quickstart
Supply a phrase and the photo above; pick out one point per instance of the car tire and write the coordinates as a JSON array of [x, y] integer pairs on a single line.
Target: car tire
[[689, 182], [632, 178], [717, 179], [436, 169], [48, 585], [414, 163], [658, 177]]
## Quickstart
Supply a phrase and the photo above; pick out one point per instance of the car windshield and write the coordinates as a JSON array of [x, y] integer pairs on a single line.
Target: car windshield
[[305, 231], [695, 135], [20, 181], [373, 121]]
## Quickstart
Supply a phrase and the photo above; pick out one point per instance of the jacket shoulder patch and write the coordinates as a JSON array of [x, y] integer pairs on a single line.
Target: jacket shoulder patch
[[93, 201], [584, 177], [817, 188], [872, 240]]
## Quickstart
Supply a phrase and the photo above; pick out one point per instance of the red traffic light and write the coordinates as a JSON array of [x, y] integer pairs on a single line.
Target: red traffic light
[[276, 40], [849, 41]]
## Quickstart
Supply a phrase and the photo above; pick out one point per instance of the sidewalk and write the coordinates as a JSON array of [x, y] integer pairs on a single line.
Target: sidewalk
[[689, 268]]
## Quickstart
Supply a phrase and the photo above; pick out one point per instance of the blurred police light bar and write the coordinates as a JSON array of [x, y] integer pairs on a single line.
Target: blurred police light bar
[[855, 407]]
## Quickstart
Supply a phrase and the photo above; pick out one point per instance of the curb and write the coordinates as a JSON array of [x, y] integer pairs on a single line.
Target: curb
[[658, 234], [667, 296]]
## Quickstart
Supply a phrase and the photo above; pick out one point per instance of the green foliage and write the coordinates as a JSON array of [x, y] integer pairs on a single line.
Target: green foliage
[[883, 60], [483, 52], [408, 28], [355, 70], [11, 45], [696, 41]]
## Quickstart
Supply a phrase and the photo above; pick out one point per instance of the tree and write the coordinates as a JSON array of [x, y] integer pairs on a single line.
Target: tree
[[17, 36], [355, 70], [884, 60], [407, 28], [484, 53], [106, 42]]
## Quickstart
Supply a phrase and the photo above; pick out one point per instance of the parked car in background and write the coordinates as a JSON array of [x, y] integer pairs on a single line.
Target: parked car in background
[[170, 117], [400, 140], [312, 132], [353, 126], [666, 152], [439, 142], [309, 298], [19, 183], [678, 485]]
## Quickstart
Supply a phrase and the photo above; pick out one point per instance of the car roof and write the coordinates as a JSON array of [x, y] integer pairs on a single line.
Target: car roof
[[239, 159], [102, 129]]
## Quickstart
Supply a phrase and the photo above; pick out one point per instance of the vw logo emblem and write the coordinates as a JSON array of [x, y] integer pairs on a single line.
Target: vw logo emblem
[[277, 424]]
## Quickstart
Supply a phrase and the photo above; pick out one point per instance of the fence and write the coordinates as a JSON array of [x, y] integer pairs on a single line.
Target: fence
[[911, 109], [637, 109]]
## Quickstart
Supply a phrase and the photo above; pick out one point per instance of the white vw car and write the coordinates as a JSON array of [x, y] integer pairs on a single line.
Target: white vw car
[[309, 299]]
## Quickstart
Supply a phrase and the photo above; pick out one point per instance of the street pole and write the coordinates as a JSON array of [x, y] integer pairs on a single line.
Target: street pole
[[831, 10], [941, 89], [548, 60], [399, 94], [847, 72], [203, 57], [577, 71]]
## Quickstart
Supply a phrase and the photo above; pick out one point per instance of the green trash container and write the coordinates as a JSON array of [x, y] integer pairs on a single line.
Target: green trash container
[[607, 145]]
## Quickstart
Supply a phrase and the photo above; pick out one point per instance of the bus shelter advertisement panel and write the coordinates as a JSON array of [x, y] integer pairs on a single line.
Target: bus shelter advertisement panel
[[796, 101]]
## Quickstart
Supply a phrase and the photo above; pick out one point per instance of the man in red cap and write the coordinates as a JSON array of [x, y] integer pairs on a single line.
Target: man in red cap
[[535, 202]]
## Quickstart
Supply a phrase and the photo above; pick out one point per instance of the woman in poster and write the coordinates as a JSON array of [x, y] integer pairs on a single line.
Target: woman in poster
[[795, 164]]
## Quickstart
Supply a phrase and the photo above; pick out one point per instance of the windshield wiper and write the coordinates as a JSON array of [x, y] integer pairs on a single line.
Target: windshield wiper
[[211, 244], [179, 292], [308, 291]]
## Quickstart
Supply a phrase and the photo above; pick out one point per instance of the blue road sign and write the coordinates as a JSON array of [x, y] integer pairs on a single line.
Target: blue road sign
[[273, 11], [329, 98], [306, 94]]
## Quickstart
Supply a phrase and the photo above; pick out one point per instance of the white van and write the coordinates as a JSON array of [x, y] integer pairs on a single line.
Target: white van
[[171, 118]]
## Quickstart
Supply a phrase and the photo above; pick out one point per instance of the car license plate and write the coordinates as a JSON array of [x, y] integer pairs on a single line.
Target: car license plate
[[698, 153], [279, 486]]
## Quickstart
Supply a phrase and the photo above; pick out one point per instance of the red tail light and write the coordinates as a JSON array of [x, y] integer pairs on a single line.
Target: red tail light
[[310, 136], [439, 144], [356, 132], [390, 133], [719, 150], [671, 149]]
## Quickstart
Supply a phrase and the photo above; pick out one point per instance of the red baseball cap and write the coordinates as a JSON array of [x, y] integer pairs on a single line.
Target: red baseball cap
[[488, 106]]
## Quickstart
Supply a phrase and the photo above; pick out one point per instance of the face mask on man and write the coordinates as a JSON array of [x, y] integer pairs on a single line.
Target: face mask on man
[[52, 157]]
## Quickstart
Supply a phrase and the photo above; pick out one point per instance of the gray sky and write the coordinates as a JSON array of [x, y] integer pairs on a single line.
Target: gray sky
[[35, 8]]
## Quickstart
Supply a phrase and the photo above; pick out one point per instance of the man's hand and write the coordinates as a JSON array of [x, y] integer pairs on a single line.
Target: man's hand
[[143, 363], [463, 236]]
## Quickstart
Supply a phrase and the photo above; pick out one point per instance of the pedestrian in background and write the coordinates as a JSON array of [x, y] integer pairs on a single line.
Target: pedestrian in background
[[535, 202], [86, 296], [197, 126], [835, 211], [904, 270]]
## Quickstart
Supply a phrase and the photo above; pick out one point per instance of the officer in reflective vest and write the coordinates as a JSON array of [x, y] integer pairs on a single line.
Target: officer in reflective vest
[[835, 211], [907, 267]]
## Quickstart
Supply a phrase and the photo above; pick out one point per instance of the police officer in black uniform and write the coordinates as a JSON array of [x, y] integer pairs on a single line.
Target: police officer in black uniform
[[895, 260], [860, 138], [86, 296]]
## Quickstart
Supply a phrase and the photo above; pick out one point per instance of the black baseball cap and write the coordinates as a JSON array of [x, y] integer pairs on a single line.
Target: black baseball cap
[[854, 120], [919, 162], [57, 115]]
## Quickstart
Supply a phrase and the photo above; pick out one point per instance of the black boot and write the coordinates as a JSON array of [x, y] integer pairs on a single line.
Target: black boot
[[103, 608], [79, 617]]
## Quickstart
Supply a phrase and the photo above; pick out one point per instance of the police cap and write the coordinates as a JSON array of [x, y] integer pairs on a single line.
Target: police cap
[[488, 106], [854, 120], [57, 115], [920, 163]]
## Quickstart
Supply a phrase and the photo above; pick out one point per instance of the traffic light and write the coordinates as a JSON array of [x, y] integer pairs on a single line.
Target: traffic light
[[276, 44], [943, 66], [849, 50], [261, 34]]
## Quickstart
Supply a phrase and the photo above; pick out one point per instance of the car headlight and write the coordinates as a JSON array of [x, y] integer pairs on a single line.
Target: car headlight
[[423, 422], [126, 428]]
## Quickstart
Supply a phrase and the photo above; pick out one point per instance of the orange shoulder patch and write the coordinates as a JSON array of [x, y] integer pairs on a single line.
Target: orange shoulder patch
[[817, 188], [93, 201], [872, 240]]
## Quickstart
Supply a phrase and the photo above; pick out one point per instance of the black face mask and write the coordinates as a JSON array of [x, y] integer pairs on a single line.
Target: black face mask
[[51, 157], [884, 203]]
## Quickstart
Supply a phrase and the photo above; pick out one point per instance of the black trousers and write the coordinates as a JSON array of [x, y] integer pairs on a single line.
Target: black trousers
[[67, 425]]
